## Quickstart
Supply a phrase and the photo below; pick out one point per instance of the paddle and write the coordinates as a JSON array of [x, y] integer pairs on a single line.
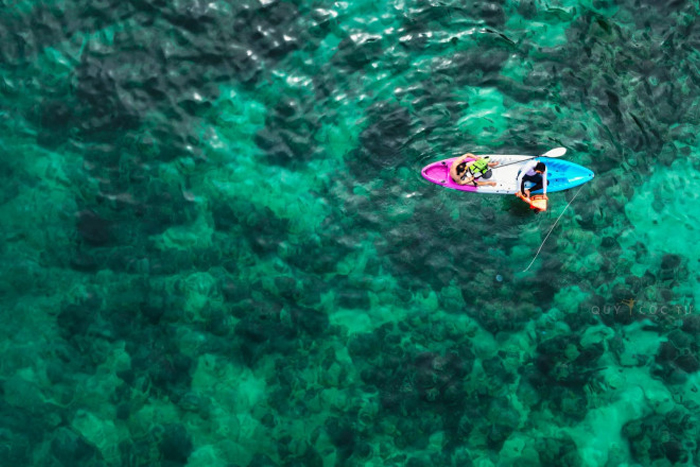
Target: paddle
[[552, 153]]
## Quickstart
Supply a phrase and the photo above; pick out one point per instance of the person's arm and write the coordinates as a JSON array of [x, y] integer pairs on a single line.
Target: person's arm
[[544, 182], [521, 174], [519, 181]]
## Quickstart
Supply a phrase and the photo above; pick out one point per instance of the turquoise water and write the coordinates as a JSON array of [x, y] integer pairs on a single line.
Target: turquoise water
[[218, 249]]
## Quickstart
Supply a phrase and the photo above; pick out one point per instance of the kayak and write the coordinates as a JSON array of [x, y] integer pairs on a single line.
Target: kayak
[[561, 174]]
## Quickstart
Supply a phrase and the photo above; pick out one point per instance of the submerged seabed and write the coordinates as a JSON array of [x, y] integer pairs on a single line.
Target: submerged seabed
[[218, 249]]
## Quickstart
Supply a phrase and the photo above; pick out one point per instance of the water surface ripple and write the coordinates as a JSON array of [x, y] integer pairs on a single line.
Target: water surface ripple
[[218, 248]]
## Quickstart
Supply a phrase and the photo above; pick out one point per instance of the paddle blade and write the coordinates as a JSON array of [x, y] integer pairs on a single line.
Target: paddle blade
[[556, 152], [538, 202]]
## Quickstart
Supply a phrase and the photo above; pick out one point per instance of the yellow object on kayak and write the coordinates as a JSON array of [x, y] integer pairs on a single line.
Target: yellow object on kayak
[[538, 202]]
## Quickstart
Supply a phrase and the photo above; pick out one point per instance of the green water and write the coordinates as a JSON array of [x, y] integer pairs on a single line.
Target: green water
[[217, 248]]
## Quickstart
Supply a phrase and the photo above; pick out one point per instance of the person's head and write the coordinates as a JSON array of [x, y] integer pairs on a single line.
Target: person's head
[[540, 167]]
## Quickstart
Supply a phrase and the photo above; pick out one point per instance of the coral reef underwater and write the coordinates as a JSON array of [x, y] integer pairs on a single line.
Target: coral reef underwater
[[217, 249]]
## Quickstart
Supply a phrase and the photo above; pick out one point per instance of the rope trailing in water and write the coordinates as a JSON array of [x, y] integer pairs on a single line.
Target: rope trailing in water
[[550, 230]]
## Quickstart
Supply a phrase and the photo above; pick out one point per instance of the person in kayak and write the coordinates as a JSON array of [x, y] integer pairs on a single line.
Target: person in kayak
[[534, 172], [463, 172]]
